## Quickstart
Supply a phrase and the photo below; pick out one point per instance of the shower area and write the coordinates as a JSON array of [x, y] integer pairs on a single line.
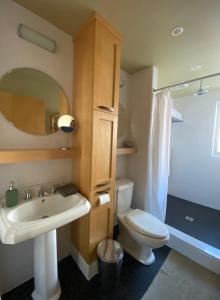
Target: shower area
[[193, 200]]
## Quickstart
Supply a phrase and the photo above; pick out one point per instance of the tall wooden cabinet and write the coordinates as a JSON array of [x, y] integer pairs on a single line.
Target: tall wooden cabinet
[[106, 69], [104, 148], [96, 96]]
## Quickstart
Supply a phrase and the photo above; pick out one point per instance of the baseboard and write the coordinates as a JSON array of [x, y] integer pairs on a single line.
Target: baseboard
[[198, 251], [88, 271]]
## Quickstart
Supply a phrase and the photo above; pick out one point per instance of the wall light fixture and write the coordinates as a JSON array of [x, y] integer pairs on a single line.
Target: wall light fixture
[[36, 38]]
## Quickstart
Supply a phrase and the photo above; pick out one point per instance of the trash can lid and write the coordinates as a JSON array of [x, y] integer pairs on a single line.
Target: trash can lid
[[110, 251]]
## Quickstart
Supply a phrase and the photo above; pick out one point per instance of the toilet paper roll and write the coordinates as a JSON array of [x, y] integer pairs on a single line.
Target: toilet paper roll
[[104, 198]]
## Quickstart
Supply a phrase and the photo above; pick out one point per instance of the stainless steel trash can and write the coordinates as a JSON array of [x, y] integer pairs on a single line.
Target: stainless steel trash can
[[110, 257]]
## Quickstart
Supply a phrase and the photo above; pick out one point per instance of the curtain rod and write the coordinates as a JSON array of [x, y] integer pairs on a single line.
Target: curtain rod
[[184, 82]]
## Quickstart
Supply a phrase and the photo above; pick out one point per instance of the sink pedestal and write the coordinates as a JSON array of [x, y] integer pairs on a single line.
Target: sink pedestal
[[46, 282]]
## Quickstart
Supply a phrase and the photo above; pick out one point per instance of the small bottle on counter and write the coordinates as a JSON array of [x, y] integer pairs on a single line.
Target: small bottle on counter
[[11, 196]]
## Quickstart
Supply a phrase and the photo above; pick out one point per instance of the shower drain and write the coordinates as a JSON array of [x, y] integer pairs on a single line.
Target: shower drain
[[189, 219]]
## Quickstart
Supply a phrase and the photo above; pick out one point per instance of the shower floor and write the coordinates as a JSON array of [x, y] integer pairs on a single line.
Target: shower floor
[[206, 221]]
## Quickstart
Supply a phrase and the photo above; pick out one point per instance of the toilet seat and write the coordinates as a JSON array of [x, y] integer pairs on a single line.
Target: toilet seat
[[146, 224], [139, 232]]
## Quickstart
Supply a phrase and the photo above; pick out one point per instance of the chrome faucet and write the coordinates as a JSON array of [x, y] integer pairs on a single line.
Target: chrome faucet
[[46, 191], [55, 188], [41, 191], [27, 195]]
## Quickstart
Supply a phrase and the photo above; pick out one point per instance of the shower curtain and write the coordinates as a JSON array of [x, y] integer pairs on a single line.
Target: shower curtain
[[158, 154]]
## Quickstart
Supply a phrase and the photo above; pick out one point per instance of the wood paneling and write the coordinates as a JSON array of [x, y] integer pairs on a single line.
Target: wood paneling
[[96, 83], [26, 113], [82, 106], [106, 69], [101, 227], [104, 150]]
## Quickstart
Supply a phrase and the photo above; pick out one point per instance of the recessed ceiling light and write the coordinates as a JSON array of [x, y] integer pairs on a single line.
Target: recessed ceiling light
[[196, 68], [177, 31]]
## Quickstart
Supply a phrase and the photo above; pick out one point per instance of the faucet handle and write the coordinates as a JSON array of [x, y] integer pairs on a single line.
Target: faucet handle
[[47, 191], [27, 195], [55, 188], [41, 191]]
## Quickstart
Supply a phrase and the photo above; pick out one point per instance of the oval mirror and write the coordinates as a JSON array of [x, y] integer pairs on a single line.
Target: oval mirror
[[32, 100]]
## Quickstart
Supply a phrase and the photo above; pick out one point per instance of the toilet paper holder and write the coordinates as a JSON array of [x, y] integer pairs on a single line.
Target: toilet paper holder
[[104, 198]]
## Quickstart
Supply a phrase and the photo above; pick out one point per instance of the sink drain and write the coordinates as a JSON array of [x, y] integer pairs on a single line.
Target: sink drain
[[44, 217]]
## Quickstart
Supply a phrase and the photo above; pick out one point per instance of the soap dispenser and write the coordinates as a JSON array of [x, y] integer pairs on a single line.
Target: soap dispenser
[[11, 196]]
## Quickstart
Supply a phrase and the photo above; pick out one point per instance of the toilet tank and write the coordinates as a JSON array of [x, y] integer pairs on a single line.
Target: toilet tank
[[124, 191]]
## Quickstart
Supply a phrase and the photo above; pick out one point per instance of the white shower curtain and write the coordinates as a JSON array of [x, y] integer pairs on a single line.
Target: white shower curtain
[[158, 155]]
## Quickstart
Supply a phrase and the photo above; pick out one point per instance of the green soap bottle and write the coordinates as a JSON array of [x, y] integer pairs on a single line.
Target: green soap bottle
[[11, 196]]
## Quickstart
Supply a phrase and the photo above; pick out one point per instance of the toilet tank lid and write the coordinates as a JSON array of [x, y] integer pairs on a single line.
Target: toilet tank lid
[[124, 183]]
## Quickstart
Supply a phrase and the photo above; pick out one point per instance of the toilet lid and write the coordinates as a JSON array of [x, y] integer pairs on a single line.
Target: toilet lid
[[146, 223]]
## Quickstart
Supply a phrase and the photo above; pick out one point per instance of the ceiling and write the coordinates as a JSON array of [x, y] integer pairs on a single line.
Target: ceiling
[[146, 28]]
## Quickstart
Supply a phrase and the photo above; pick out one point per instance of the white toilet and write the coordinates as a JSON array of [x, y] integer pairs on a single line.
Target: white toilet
[[140, 232]]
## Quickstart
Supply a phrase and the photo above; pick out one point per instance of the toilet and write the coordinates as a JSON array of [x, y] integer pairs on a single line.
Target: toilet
[[140, 232]]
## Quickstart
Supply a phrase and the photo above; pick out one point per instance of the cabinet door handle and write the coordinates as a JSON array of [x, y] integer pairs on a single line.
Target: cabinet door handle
[[103, 192], [103, 183], [111, 109], [104, 187]]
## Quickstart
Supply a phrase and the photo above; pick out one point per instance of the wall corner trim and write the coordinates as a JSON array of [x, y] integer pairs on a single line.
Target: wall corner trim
[[155, 77], [88, 271]]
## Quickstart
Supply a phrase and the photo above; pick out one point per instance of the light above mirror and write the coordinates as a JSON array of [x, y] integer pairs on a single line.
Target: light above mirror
[[36, 38], [32, 100]]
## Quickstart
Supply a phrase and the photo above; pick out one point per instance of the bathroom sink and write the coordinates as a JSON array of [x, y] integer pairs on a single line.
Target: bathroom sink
[[40, 215], [39, 218]]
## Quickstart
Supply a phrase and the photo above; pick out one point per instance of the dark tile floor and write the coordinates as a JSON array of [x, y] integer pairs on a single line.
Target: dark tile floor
[[135, 280], [206, 223]]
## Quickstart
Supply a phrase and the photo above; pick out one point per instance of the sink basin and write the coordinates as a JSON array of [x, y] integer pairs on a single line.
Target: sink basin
[[37, 216]]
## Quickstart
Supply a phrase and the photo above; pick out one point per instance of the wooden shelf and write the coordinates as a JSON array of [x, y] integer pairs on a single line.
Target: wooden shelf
[[22, 155], [126, 151]]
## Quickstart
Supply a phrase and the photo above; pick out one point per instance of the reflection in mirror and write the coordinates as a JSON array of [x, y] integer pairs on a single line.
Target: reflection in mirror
[[32, 100]]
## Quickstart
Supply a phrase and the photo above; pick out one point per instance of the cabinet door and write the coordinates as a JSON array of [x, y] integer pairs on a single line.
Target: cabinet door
[[103, 149], [101, 227], [106, 70]]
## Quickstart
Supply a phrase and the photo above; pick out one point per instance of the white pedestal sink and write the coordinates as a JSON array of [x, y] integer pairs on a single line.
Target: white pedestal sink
[[46, 281], [38, 218]]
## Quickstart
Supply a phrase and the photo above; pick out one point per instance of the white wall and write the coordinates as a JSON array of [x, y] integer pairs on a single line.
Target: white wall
[[195, 172], [123, 124], [16, 261], [141, 84]]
